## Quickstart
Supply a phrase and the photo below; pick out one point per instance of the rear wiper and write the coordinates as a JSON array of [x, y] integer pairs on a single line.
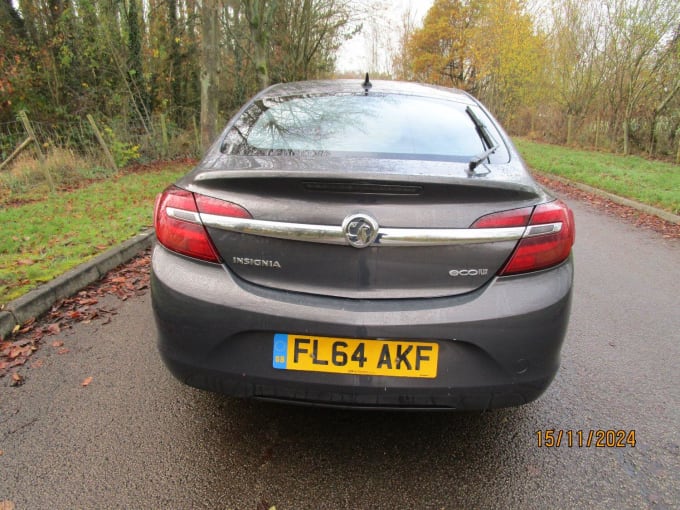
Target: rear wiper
[[474, 162], [487, 140]]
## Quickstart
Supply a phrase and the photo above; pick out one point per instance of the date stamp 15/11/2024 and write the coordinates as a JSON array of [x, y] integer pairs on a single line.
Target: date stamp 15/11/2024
[[594, 438]]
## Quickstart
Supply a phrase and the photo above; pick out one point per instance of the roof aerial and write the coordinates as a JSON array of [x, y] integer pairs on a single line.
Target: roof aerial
[[367, 84]]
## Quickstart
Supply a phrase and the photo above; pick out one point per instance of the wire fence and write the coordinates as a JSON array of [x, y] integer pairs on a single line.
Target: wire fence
[[11, 135], [126, 141]]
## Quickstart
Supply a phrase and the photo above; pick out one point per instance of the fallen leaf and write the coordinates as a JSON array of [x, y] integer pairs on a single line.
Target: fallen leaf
[[15, 353], [17, 362], [29, 322], [22, 342], [6, 505], [17, 380], [37, 363], [86, 381], [25, 329], [25, 262], [63, 350], [57, 343], [74, 315], [54, 328], [15, 329]]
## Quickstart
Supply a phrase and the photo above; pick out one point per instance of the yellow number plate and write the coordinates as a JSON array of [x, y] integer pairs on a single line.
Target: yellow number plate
[[395, 358]]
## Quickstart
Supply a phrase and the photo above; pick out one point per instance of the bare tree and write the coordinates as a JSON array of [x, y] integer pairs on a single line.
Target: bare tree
[[636, 53], [401, 64], [577, 38]]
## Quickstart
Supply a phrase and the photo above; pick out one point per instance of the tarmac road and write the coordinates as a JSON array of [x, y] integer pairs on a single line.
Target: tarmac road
[[136, 438]]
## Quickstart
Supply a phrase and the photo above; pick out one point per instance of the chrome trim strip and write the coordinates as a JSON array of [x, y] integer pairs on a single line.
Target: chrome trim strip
[[543, 229], [183, 215], [386, 237], [329, 234], [280, 230], [446, 236]]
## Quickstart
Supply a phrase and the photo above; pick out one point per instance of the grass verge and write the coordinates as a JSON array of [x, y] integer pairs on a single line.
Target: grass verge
[[45, 238], [650, 182]]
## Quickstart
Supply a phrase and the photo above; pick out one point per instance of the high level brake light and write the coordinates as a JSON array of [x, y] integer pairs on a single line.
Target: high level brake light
[[178, 223], [547, 240]]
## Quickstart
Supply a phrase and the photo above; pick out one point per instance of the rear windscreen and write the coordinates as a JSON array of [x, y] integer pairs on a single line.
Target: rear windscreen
[[388, 125]]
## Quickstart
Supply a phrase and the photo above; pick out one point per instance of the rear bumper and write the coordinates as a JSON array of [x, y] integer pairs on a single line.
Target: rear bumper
[[498, 346]]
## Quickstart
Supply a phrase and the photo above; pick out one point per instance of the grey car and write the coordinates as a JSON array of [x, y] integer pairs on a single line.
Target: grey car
[[371, 245]]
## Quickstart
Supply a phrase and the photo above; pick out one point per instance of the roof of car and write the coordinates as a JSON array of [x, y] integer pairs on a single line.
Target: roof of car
[[322, 87]]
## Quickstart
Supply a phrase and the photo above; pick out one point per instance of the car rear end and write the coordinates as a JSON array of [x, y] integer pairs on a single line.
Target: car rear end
[[337, 249]]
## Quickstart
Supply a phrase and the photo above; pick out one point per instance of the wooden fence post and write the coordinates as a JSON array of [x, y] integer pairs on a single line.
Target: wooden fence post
[[29, 131], [102, 142], [14, 154], [41, 155]]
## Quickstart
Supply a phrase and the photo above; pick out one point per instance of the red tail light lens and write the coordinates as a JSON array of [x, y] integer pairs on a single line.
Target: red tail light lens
[[511, 218], [178, 224], [547, 241]]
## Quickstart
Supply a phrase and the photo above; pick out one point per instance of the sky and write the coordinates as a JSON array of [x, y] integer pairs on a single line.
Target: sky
[[354, 54]]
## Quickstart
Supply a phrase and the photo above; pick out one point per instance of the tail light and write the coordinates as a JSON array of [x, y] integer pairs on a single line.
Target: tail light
[[547, 240], [178, 223]]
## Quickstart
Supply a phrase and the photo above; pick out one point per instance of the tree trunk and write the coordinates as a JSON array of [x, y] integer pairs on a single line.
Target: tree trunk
[[135, 71], [259, 14], [15, 20], [570, 128], [175, 59], [261, 68], [655, 115], [209, 73], [652, 136]]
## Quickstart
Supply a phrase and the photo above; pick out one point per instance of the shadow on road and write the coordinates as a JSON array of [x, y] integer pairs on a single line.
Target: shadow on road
[[298, 453]]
